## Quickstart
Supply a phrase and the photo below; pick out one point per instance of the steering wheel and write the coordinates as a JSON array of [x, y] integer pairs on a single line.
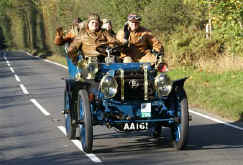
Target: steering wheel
[[105, 49]]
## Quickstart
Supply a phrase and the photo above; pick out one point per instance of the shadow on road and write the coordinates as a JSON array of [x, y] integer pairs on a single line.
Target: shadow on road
[[201, 137], [48, 158]]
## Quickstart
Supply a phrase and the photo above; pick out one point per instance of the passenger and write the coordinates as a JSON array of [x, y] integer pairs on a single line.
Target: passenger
[[89, 39], [106, 25], [140, 42], [61, 39]]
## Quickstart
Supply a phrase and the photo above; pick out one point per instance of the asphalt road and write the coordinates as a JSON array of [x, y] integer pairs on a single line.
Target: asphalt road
[[31, 125]]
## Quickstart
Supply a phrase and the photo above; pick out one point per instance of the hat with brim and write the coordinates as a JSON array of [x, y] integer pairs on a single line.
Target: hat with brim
[[94, 17]]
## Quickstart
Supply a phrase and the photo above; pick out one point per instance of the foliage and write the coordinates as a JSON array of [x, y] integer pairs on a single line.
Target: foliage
[[178, 24], [227, 19], [165, 16], [4, 4]]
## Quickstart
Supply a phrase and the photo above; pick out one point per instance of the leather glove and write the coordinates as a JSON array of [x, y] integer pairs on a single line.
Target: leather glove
[[158, 54], [126, 31], [59, 31]]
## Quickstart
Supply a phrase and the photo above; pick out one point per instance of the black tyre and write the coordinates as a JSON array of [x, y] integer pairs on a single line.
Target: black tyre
[[180, 130], [70, 128], [86, 128], [156, 130]]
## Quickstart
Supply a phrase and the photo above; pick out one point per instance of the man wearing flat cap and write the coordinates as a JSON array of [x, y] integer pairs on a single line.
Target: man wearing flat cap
[[140, 42], [89, 39]]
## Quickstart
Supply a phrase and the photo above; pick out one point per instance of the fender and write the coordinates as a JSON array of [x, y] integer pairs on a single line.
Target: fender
[[73, 88], [178, 84]]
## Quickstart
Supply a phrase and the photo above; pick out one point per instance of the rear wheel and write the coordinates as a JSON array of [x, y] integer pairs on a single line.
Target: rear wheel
[[85, 127], [70, 128], [181, 129]]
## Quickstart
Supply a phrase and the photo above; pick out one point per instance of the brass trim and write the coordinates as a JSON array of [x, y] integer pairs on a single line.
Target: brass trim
[[122, 83], [145, 68]]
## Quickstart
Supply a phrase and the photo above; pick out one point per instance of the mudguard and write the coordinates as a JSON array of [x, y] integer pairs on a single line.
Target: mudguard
[[178, 84], [73, 88]]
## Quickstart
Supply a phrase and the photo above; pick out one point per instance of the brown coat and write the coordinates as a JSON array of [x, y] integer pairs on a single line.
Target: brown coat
[[88, 42], [141, 42]]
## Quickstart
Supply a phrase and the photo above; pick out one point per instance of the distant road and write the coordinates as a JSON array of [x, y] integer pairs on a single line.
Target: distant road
[[31, 127]]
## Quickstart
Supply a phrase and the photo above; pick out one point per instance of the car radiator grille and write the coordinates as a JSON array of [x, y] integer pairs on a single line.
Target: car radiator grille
[[133, 86]]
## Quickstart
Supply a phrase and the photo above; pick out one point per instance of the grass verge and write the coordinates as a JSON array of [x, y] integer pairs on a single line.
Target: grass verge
[[57, 58], [218, 93]]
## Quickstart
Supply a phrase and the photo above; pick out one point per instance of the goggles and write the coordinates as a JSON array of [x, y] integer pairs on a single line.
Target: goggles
[[134, 18]]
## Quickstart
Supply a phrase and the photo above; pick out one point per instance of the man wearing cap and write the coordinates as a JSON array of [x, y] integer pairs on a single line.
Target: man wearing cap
[[140, 42], [61, 39], [89, 39]]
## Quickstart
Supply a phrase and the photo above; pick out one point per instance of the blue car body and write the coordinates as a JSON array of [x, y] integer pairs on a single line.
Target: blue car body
[[128, 110]]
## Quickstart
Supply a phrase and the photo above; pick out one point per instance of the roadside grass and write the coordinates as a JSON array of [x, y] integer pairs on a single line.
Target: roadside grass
[[57, 58], [217, 93]]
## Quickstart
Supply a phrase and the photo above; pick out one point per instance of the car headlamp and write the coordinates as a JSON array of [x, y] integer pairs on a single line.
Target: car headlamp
[[163, 85], [88, 68], [108, 86]]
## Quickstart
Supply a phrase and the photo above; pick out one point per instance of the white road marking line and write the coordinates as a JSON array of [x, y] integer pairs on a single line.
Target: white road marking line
[[78, 144], [25, 91], [216, 120], [8, 64], [5, 58], [27, 53], [63, 130], [17, 77], [63, 66], [56, 64], [12, 70], [43, 110]]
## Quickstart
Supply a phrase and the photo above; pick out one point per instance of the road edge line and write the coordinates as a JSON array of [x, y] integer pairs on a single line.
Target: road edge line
[[216, 120], [77, 143], [56, 64], [49, 61], [43, 110]]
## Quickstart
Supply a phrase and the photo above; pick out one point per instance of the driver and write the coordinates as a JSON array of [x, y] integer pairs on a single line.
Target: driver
[[89, 39], [140, 42]]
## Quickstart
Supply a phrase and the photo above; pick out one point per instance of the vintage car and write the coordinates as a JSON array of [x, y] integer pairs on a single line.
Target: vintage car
[[125, 96]]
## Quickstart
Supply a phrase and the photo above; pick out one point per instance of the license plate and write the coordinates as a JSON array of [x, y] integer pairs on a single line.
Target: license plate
[[145, 110], [135, 126]]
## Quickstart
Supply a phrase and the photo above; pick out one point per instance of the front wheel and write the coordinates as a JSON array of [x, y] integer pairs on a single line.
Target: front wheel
[[180, 130], [70, 127], [85, 126]]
